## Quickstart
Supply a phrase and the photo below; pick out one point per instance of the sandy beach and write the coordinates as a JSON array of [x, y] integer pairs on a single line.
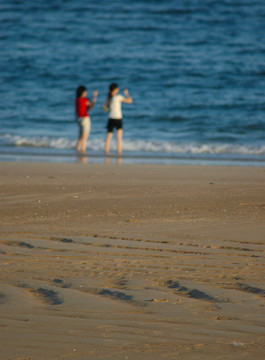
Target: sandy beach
[[131, 262]]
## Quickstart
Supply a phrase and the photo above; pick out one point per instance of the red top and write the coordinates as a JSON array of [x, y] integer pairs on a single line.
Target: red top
[[81, 107]]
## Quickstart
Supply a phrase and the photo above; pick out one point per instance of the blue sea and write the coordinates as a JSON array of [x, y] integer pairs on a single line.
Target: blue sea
[[194, 68]]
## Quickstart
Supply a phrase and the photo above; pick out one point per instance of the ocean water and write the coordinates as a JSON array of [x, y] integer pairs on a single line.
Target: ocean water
[[195, 70]]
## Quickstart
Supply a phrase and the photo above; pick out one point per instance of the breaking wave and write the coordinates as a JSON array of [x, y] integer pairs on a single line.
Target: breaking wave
[[136, 146]]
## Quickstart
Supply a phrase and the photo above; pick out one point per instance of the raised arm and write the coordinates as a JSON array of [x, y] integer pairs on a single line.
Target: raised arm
[[127, 99], [106, 105], [90, 105]]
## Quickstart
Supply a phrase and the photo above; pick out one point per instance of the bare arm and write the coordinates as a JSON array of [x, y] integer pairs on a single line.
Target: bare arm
[[106, 105], [127, 99], [90, 105]]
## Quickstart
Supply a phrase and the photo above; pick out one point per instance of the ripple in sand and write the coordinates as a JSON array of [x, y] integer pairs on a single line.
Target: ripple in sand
[[17, 243], [2, 298], [116, 294], [49, 297], [65, 240], [28, 246], [61, 283], [251, 289], [194, 293]]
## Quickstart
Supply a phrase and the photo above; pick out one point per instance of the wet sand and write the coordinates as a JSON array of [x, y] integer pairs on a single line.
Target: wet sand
[[131, 262]]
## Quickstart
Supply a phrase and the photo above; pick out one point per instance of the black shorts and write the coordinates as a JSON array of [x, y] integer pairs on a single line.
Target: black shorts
[[114, 123]]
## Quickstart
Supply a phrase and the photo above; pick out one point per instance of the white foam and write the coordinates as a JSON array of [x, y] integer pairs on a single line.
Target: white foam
[[135, 146], [38, 142], [192, 148]]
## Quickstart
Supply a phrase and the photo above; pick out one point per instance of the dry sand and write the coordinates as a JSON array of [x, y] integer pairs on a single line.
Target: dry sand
[[131, 262]]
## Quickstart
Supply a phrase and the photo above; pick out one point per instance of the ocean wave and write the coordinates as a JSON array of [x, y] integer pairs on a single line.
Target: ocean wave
[[135, 146], [38, 142], [193, 148]]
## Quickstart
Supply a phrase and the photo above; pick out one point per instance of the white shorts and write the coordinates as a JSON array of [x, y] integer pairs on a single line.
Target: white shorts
[[84, 125]]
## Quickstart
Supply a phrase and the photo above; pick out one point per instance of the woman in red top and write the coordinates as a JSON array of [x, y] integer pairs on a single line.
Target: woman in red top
[[82, 106]]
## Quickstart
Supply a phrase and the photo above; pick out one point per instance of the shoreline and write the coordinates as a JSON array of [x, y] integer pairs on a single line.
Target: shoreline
[[59, 156], [133, 261]]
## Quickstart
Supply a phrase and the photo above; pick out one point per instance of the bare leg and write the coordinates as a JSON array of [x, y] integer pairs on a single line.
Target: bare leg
[[84, 134], [119, 141], [84, 142], [79, 143], [107, 143]]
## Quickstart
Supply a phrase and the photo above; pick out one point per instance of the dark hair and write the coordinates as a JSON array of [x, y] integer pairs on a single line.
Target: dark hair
[[112, 87], [80, 90]]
